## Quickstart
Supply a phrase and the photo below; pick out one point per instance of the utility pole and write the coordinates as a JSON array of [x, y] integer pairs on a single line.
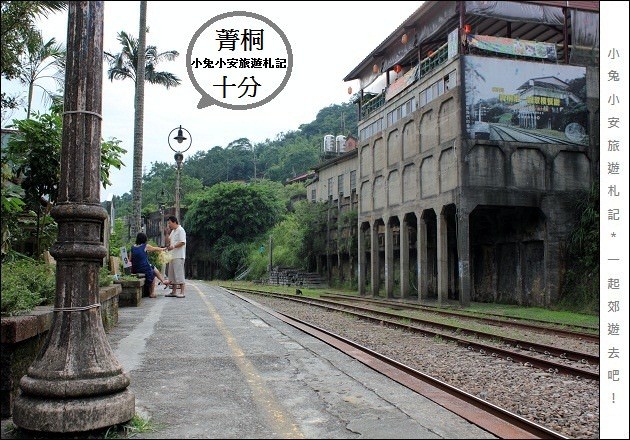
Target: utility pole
[[270, 254]]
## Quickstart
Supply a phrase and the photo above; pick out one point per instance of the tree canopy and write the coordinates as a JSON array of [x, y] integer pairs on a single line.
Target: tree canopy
[[18, 28], [32, 162], [16, 33], [124, 64], [240, 211]]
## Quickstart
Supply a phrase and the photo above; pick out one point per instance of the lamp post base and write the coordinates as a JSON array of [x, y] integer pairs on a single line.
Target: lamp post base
[[73, 415]]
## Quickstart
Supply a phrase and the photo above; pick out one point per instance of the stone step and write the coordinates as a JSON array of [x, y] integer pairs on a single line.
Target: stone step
[[286, 276]]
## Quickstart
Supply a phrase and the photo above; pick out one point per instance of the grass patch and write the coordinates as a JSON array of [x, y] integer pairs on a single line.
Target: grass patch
[[130, 429], [537, 313], [563, 317], [136, 425]]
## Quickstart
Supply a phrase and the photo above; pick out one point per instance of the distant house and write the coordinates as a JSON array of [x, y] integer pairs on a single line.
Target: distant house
[[301, 178], [6, 135], [351, 142]]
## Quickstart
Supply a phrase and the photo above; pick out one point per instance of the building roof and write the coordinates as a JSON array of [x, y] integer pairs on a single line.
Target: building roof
[[300, 178], [435, 19], [335, 160]]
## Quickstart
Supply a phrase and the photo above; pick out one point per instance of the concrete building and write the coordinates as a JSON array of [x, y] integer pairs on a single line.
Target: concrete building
[[478, 127], [335, 182]]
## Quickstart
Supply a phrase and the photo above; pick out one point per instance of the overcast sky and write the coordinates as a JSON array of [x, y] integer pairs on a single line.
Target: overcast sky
[[327, 39]]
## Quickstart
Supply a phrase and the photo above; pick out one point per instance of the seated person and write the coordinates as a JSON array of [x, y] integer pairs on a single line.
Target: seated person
[[140, 262]]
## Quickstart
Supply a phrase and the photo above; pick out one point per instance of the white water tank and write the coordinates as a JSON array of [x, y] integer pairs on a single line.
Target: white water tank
[[329, 143], [341, 143]]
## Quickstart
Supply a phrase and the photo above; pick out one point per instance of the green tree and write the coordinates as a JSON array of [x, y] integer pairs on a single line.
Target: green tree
[[118, 238], [238, 160], [152, 186], [235, 209], [35, 152], [581, 288], [18, 26], [111, 152], [334, 119], [313, 218], [12, 204], [288, 236], [126, 64], [37, 61], [230, 256], [33, 160], [294, 158]]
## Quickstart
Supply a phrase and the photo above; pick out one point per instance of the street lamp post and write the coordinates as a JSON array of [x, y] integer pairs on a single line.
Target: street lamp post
[[179, 157], [76, 384], [161, 200]]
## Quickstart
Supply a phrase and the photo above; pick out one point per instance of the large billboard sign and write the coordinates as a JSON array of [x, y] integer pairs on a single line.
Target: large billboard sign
[[522, 101]]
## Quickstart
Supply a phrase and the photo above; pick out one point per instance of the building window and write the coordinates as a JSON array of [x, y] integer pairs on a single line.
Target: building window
[[438, 88], [407, 108], [400, 112], [340, 185], [390, 117], [330, 188], [353, 181], [371, 129], [313, 195]]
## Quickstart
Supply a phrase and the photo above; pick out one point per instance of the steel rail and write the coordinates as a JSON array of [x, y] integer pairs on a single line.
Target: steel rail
[[576, 356], [500, 353], [471, 315], [495, 420]]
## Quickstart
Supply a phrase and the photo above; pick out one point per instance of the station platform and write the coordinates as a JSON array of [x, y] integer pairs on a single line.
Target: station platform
[[211, 365]]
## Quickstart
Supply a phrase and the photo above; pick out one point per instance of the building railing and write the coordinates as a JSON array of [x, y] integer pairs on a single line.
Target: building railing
[[430, 63], [434, 60], [373, 104]]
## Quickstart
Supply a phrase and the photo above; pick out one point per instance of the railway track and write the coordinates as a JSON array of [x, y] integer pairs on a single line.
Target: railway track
[[520, 352], [580, 332], [496, 420]]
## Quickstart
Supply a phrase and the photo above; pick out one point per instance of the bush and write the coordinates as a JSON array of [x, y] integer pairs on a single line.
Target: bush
[[26, 283], [580, 291], [104, 278]]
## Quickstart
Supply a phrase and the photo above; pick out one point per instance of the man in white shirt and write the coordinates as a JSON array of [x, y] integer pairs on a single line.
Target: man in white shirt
[[177, 245]]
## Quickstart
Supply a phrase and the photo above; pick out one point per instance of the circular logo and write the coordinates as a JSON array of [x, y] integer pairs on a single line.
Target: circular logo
[[239, 60], [574, 132]]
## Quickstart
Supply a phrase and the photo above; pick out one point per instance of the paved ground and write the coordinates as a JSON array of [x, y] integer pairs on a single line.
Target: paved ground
[[212, 366]]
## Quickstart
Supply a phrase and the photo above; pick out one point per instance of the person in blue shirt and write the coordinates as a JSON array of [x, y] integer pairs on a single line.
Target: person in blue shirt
[[140, 262]]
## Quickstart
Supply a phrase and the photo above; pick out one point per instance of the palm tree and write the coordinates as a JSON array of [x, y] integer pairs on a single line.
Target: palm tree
[[18, 25], [36, 61], [128, 64], [123, 64]]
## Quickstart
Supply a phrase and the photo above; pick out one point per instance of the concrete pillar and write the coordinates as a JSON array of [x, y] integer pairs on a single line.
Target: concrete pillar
[[76, 384], [375, 271], [553, 253], [442, 257], [389, 261], [463, 252], [404, 257], [361, 261], [421, 246]]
